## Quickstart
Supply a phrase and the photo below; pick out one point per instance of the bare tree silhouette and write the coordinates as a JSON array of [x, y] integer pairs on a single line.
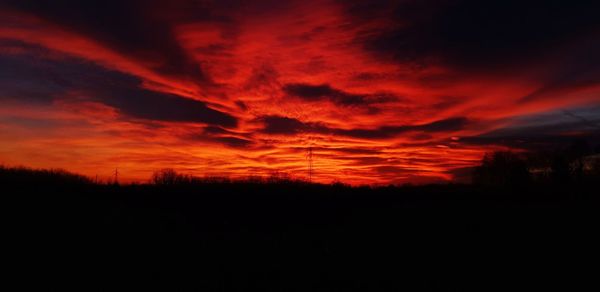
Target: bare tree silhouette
[[167, 177], [503, 168]]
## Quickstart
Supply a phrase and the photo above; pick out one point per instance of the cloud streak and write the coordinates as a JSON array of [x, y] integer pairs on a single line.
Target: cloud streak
[[45, 80]]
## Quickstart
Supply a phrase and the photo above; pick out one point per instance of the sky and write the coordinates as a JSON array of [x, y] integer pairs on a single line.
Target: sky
[[383, 92]]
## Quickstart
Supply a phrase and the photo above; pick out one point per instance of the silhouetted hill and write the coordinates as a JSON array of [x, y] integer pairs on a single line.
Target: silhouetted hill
[[217, 235]]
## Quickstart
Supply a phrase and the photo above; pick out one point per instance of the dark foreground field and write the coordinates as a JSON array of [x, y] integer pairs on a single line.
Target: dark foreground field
[[299, 237]]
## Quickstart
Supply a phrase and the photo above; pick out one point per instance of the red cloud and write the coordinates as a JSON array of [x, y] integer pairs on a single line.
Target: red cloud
[[382, 96]]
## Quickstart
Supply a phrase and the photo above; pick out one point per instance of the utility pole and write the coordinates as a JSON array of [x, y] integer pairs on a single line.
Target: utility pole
[[116, 175], [309, 157]]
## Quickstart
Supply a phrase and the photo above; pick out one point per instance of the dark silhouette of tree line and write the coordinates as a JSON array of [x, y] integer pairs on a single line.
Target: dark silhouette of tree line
[[170, 177], [41, 177], [577, 163]]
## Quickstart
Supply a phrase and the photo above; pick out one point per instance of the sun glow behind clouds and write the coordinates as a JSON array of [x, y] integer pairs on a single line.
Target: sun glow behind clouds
[[382, 91]]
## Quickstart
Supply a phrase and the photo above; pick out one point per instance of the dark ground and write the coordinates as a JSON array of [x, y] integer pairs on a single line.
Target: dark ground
[[297, 237]]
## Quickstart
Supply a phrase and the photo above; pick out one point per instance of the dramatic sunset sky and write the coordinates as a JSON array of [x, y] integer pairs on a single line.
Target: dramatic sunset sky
[[384, 91]]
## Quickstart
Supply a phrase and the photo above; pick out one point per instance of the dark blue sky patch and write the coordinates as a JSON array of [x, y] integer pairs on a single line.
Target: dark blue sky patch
[[30, 78]]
